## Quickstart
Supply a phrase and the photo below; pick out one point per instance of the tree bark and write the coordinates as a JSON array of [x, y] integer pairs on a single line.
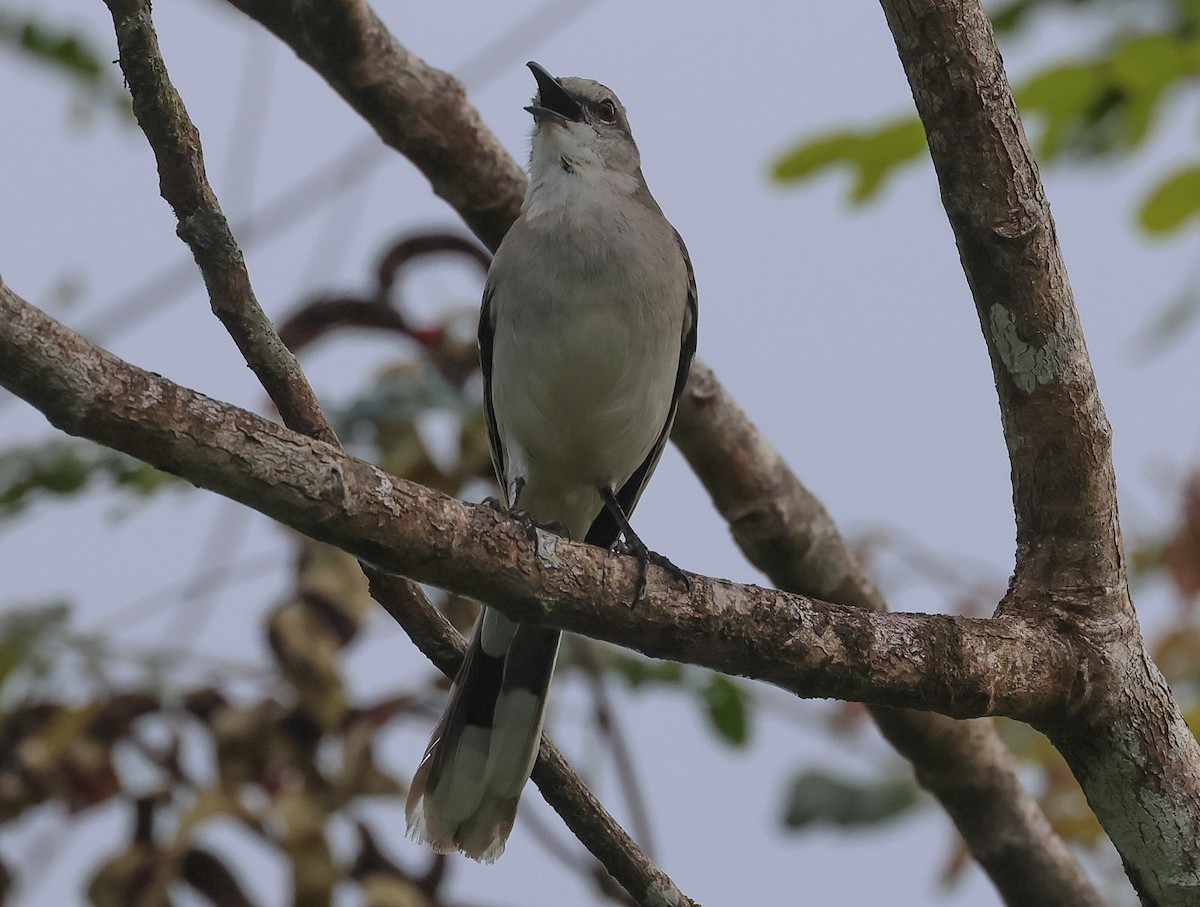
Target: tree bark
[[1125, 739], [967, 667]]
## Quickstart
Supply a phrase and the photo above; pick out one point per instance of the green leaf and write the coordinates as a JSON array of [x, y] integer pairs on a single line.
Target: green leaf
[[1067, 98], [873, 155], [1173, 202], [1108, 103], [728, 709], [817, 797], [67, 52], [65, 468], [1145, 68], [640, 671], [1012, 16]]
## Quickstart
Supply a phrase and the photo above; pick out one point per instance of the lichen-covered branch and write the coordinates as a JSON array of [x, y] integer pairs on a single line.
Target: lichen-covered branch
[[960, 666], [1064, 490], [1126, 741]]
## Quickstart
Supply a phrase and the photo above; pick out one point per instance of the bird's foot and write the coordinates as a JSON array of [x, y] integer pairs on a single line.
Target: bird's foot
[[635, 547], [527, 523]]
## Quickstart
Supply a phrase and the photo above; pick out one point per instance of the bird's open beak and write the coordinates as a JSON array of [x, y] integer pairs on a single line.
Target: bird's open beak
[[554, 103]]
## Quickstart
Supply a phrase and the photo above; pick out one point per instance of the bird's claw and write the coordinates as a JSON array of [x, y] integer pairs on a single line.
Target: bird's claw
[[526, 522], [646, 557]]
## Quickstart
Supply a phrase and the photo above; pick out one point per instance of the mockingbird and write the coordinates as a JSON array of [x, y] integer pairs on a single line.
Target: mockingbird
[[586, 336]]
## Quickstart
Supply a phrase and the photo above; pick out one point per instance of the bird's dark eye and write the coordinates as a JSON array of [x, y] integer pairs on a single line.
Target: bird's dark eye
[[606, 111]]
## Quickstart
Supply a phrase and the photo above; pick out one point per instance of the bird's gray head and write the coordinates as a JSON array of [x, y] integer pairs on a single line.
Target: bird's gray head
[[581, 126]]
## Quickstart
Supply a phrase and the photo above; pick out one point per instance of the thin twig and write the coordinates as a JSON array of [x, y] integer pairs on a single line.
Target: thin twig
[[610, 726], [201, 224]]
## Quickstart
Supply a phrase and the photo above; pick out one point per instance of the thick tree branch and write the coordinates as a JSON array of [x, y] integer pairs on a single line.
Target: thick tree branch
[[960, 666], [786, 532], [184, 184], [967, 768], [1127, 744], [1059, 440]]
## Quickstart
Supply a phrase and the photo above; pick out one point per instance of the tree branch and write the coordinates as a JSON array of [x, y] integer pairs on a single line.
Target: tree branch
[[392, 88], [961, 666], [1126, 743], [968, 769], [785, 531], [202, 225], [1059, 440], [560, 785]]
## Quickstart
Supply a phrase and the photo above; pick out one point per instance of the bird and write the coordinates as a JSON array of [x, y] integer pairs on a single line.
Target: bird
[[586, 335]]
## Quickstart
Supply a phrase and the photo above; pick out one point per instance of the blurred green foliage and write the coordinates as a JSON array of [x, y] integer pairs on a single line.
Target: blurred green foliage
[[68, 52], [871, 153], [27, 636], [817, 797], [65, 467], [1105, 104], [724, 701], [728, 709]]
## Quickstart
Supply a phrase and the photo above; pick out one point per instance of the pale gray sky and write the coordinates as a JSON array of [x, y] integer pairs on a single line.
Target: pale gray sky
[[849, 337]]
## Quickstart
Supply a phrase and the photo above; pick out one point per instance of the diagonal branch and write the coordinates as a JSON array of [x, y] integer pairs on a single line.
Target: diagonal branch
[[960, 666], [391, 87], [202, 225], [560, 785]]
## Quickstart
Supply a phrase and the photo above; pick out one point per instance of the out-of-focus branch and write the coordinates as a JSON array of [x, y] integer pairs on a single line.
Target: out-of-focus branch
[[609, 725], [961, 666], [420, 111], [785, 531]]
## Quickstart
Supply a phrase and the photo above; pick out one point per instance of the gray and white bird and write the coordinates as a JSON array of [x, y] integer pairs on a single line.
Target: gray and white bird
[[586, 336]]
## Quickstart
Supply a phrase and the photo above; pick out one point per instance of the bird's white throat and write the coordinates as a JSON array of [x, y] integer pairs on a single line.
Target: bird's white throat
[[565, 174]]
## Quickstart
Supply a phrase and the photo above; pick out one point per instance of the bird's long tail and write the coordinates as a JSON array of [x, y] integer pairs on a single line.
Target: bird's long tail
[[465, 793]]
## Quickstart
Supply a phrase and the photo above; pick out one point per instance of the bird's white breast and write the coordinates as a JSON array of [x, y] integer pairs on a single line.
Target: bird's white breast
[[587, 339]]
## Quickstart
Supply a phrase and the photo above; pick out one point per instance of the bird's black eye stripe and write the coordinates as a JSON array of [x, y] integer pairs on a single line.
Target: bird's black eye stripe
[[606, 111]]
